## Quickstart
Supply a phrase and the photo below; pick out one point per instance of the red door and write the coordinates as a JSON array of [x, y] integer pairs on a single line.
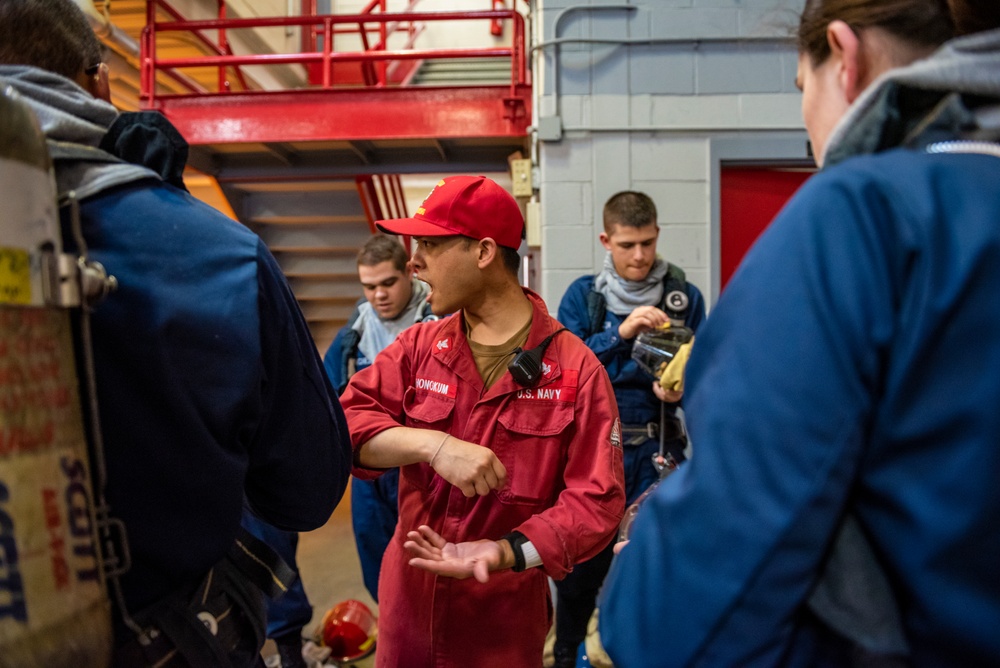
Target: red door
[[751, 197]]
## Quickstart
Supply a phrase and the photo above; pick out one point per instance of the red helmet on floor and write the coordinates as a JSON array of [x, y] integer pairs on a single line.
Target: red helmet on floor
[[349, 630]]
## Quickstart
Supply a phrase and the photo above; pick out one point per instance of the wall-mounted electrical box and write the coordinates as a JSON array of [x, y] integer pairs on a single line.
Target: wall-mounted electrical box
[[520, 176]]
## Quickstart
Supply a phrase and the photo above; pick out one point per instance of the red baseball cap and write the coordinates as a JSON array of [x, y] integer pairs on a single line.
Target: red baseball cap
[[473, 206]]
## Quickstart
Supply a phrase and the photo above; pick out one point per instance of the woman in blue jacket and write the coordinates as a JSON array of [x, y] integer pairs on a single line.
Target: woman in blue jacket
[[842, 503]]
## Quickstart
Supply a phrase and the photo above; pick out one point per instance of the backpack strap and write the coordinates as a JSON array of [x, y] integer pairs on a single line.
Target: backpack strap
[[596, 310], [676, 302], [348, 358], [349, 349], [260, 564], [219, 622], [675, 273]]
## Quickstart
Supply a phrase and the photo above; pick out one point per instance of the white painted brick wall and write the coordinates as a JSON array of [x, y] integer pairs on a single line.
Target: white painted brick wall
[[644, 118], [661, 69], [568, 160], [737, 69], [554, 284], [678, 112], [771, 111], [568, 247], [692, 22], [674, 160], [677, 202], [684, 245], [575, 209]]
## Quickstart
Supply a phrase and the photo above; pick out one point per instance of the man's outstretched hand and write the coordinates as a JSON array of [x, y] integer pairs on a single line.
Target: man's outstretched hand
[[475, 558]]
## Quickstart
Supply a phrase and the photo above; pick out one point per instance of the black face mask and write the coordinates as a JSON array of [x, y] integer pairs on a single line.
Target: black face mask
[[526, 367]]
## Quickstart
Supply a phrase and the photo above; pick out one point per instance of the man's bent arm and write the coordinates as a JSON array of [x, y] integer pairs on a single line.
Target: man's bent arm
[[301, 441], [399, 446], [470, 467]]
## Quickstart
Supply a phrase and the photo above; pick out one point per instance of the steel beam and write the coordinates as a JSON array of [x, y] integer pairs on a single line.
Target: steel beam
[[350, 115]]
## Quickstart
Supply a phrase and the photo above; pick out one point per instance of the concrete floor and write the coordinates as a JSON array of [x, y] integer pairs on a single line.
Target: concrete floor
[[331, 572]]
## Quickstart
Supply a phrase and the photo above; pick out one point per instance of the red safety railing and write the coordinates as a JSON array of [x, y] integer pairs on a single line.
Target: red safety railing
[[222, 47], [320, 29], [365, 73], [496, 27]]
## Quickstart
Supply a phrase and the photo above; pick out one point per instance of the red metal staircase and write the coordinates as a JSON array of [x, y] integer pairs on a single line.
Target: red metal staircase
[[311, 168]]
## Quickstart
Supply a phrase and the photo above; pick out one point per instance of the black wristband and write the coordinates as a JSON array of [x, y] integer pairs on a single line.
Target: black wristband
[[516, 540]]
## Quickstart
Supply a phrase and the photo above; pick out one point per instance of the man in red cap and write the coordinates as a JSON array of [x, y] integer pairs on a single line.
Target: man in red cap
[[507, 433]]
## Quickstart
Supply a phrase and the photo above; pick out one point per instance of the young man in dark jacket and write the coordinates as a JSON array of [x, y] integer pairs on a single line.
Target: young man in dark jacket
[[394, 300], [636, 291]]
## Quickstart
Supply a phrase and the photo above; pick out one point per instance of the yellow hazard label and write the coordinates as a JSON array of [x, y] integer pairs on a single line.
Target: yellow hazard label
[[15, 276]]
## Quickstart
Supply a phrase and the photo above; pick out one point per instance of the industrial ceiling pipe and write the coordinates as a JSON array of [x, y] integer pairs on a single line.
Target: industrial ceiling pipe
[[110, 34]]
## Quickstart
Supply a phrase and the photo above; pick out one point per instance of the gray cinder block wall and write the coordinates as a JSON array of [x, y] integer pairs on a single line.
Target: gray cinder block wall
[[682, 87]]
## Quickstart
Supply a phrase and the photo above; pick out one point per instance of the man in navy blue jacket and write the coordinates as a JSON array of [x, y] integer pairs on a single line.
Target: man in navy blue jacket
[[636, 291], [210, 389]]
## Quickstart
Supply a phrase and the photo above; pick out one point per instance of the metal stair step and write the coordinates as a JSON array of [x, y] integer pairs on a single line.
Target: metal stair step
[[463, 71]]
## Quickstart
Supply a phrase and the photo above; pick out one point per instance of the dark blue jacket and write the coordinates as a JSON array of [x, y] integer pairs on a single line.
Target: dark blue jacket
[[337, 361], [850, 366], [209, 384], [846, 380]]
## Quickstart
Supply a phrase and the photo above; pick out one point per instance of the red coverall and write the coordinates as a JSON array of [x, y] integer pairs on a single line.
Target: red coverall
[[561, 446]]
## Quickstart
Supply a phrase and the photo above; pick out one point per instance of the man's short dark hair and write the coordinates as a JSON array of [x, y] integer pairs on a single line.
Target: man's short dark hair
[[629, 208], [382, 248], [511, 259], [51, 34], [509, 256]]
